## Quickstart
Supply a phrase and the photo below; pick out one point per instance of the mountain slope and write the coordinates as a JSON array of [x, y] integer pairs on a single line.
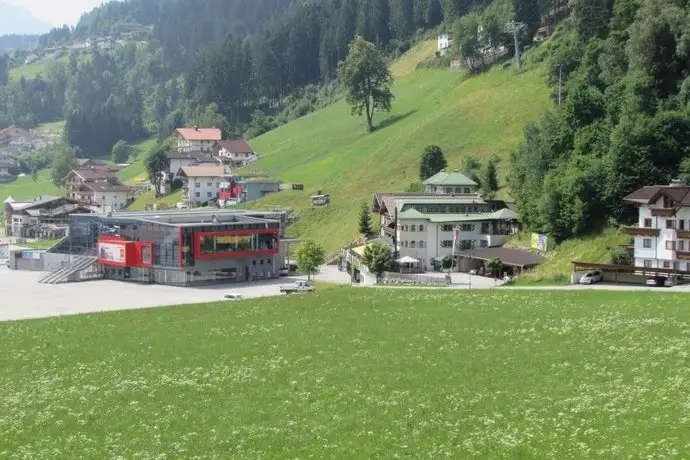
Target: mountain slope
[[17, 20], [331, 151]]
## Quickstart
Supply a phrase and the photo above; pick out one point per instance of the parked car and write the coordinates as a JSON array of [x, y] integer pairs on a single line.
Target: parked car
[[661, 281], [181, 205], [670, 282], [297, 286], [591, 277], [232, 296]]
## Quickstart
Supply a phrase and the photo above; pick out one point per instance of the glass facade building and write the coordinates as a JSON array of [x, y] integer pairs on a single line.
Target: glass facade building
[[181, 247]]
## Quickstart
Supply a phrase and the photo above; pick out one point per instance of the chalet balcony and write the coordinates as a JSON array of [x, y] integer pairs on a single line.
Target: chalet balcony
[[634, 230], [683, 255], [683, 234], [663, 212]]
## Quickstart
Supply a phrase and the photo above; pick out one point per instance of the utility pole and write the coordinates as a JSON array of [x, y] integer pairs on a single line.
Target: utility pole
[[515, 28], [560, 83]]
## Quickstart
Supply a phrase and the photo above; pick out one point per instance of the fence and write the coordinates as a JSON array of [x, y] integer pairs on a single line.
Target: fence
[[400, 278]]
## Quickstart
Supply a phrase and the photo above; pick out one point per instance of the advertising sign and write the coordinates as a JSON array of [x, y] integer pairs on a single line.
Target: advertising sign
[[111, 252], [539, 242], [4, 251]]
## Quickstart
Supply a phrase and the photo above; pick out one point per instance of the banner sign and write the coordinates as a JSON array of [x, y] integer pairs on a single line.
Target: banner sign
[[540, 242], [111, 252]]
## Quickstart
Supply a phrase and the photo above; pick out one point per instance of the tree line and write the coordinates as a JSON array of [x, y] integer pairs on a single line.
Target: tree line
[[623, 121]]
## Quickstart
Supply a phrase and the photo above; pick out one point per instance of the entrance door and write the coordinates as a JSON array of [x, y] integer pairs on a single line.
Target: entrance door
[[246, 273]]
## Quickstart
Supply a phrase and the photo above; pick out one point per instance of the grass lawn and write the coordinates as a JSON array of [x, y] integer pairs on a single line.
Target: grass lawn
[[148, 197], [136, 171], [355, 373], [558, 265], [41, 244], [330, 150], [32, 70], [24, 187]]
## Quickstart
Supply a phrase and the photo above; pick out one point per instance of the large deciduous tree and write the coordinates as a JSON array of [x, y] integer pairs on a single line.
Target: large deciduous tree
[[377, 257], [64, 160], [367, 79], [121, 152], [157, 163], [310, 257], [432, 162]]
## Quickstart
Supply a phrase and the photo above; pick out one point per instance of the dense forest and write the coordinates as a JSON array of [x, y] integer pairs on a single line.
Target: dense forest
[[623, 121], [248, 65]]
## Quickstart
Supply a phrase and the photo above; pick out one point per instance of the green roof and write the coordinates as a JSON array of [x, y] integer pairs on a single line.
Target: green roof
[[450, 178], [503, 214], [455, 201]]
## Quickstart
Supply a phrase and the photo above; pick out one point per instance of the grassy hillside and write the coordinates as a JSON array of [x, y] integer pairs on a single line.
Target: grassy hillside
[[136, 171], [355, 373], [330, 150], [558, 265], [25, 187], [32, 70]]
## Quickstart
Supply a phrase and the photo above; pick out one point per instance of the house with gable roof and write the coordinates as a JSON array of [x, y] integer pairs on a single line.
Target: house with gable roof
[[196, 139]]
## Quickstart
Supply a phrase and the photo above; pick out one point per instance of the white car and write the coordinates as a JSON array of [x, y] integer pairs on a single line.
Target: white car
[[592, 277], [232, 296], [670, 282], [181, 205]]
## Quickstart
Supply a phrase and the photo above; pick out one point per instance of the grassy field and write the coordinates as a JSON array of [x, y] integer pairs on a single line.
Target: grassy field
[[148, 197], [355, 373], [41, 244], [408, 61], [330, 150], [558, 265], [25, 187]]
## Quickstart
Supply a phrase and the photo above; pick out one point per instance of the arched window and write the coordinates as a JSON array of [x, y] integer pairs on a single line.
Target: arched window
[[421, 244], [413, 228], [413, 244], [421, 228]]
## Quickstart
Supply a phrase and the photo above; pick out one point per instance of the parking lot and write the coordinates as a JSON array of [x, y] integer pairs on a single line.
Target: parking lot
[[22, 297]]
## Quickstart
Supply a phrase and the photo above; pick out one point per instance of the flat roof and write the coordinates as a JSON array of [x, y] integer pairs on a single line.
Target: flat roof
[[190, 218], [509, 256]]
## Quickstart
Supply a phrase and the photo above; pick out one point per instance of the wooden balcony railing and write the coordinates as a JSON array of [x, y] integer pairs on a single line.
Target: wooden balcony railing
[[641, 231]]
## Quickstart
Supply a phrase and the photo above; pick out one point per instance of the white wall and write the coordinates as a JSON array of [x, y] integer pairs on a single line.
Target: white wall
[[658, 254], [201, 186], [110, 201]]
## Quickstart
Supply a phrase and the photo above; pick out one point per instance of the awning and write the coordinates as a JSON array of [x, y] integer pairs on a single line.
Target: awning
[[407, 260]]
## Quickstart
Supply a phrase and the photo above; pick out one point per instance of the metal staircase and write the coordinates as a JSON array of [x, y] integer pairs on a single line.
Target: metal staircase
[[81, 268]]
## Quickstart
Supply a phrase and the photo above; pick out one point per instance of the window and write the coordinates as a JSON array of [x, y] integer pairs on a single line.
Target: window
[[198, 194], [681, 224], [449, 190], [647, 243], [647, 264], [405, 243], [648, 223], [197, 184], [668, 203], [421, 228], [446, 228], [103, 198], [676, 265], [667, 264], [413, 228], [447, 244], [467, 190], [485, 228], [413, 244], [466, 245], [483, 244], [467, 227], [670, 223], [209, 184], [261, 262], [421, 244], [458, 190], [681, 245], [208, 194], [670, 245]]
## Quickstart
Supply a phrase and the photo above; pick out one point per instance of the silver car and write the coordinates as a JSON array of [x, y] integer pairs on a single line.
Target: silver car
[[592, 277]]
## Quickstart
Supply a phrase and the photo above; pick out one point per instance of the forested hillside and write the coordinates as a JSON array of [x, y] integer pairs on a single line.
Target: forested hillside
[[623, 121], [245, 65]]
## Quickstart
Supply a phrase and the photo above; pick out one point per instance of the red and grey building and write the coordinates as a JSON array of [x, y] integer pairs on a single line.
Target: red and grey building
[[181, 247]]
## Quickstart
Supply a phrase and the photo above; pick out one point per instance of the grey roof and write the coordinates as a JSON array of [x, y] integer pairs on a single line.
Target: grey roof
[[450, 178], [501, 214], [107, 187]]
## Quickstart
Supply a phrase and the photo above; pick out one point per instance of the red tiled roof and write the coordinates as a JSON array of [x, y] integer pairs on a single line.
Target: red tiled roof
[[236, 146], [200, 134]]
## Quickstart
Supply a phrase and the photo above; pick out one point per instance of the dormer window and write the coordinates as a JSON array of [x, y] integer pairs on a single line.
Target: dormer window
[[668, 203]]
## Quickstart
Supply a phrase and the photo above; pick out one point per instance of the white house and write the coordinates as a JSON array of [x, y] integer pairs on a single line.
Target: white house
[[444, 43], [450, 183], [238, 151], [97, 186], [431, 226], [179, 160], [662, 233], [201, 183], [196, 139]]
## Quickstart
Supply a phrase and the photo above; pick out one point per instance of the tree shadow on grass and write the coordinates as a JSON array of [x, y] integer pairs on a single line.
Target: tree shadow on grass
[[394, 119]]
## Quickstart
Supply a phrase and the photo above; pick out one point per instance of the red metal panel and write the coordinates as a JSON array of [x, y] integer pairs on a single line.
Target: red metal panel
[[226, 255]]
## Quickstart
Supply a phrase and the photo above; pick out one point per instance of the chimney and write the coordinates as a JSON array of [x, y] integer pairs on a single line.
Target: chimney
[[196, 128]]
